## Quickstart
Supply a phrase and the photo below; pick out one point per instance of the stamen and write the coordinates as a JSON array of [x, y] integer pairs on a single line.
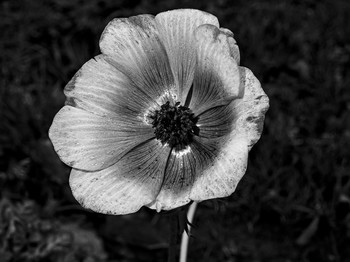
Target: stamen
[[175, 125]]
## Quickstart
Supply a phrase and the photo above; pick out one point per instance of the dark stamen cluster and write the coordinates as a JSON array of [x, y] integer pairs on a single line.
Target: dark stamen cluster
[[175, 125]]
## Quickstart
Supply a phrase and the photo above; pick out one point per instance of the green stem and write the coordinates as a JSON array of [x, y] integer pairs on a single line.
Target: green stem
[[186, 235]]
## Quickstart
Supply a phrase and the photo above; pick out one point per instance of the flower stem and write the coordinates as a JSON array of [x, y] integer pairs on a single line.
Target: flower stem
[[173, 240], [186, 235]]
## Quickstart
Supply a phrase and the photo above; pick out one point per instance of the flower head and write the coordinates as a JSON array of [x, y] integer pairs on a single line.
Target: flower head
[[163, 116]]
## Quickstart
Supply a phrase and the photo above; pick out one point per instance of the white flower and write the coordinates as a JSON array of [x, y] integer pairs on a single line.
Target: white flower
[[163, 116]]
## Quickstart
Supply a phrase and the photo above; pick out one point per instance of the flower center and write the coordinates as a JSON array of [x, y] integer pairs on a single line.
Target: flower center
[[174, 125]]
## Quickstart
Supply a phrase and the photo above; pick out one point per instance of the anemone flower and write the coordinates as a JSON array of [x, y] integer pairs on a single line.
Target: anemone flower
[[164, 116]]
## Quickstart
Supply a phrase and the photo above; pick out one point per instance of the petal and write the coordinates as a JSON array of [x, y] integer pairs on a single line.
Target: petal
[[126, 186], [90, 142], [98, 87], [250, 109], [232, 44], [216, 81], [181, 171], [176, 30], [134, 48], [222, 177], [216, 122]]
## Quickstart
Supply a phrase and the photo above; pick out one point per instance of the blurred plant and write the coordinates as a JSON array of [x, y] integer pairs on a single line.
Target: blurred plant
[[25, 236]]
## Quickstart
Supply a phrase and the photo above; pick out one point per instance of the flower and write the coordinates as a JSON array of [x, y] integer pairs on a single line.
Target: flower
[[164, 116]]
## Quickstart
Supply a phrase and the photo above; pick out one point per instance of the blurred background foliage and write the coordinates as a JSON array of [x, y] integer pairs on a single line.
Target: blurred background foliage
[[292, 205]]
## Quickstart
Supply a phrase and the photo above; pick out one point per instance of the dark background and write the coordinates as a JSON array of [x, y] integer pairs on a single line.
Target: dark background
[[293, 204]]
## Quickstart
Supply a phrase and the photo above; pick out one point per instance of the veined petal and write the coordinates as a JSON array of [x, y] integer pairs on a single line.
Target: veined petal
[[176, 30], [222, 177], [232, 44], [134, 48], [251, 108], [90, 142], [98, 87], [182, 170], [216, 122], [126, 186], [216, 80]]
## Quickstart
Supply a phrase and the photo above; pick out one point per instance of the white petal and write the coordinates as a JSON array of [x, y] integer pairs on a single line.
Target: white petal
[[134, 48], [98, 87], [181, 171], [232, 44], [125, 187], [217, 74], [90, 142], [176, 30], [222, 177], [178, 179], [251, 108], [216, 122]]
